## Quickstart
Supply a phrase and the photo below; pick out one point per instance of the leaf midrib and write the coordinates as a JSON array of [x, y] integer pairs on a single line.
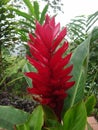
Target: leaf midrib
[[75, 92]]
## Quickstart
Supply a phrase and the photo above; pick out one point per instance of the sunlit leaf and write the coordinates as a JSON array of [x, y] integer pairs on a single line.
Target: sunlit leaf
[[35, 122], [75, 118]]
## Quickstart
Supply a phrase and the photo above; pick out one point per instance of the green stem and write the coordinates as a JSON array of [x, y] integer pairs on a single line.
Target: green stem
[[76, 89], [14, 80], [2, 80]]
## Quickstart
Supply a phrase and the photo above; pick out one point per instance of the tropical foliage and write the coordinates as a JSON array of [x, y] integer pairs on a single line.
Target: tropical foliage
[[83, 38], [79, 29], [44, 114], [28, 19], [8, 38], [13, 37]]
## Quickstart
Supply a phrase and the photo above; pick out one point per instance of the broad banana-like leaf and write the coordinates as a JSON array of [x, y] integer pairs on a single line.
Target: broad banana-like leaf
[[35, 122], [80, 62], [75, 118], [10, 116]]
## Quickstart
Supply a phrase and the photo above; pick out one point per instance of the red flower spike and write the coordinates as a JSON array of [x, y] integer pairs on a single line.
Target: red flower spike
[[59, 39], [31, 37], [52, 79]]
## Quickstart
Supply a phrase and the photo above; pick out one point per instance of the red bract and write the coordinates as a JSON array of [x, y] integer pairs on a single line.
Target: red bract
[[51, 81]]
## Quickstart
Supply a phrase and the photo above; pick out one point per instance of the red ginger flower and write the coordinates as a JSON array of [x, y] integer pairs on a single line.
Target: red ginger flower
[[51, 81]]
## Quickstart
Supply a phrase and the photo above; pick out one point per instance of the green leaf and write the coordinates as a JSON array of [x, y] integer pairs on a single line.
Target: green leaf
[[43, 14], [37, 118], [35, 121], [3, 2], [80, 61], [36, 10], [75, 118], [30, 6], [91, 24], [9, 116], [27, 24], [91, 20], [28, 68], [49, 114], [49, 117], [54, 128], [22, 127], [53, 124], [22, 33], [23, 14], [15, 67], [90, 103]]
